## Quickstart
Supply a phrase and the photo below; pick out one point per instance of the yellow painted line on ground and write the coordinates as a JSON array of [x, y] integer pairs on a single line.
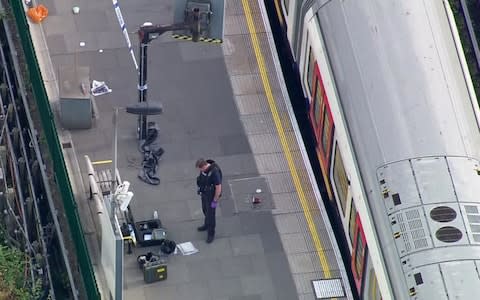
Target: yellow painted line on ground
[[283, 140], [101, 162]]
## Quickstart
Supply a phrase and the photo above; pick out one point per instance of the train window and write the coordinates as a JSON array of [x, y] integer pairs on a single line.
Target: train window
[[326, 132], [353, 222], [448, 234], [318, 105], [340, 179], [358, 255], [311, 66]]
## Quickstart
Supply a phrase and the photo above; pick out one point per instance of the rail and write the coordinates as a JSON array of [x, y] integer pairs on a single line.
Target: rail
[[471, 31]]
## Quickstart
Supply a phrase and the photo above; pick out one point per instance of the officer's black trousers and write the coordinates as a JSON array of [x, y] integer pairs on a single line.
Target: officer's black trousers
[[209, 213]]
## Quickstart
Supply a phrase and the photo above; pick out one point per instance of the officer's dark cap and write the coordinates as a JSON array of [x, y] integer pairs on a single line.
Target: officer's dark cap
[[200, 163]]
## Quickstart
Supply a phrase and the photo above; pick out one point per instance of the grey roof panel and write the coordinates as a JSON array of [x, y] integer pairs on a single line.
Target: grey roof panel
[[433, 179], [432, 285], [462, 278], [465, 178], [443, 254], [398, 180]]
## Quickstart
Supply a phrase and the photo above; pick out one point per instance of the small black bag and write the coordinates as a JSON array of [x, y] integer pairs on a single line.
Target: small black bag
[[168, 247]]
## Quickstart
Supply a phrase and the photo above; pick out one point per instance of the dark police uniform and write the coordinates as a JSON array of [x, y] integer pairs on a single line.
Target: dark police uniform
[[206, 182]]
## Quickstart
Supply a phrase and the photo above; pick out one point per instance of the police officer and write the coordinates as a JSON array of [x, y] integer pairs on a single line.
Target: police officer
[[209, 183]]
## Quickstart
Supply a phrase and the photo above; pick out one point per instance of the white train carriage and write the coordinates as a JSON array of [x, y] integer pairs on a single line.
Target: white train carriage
[[396, 123]]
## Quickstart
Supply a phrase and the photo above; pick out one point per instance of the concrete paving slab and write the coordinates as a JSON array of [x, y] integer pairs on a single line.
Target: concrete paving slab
[[282, 281], [197, 290], [59, 24], [135, 293], [236, 266], [206, 268], [249, 297], [260, 264], [224, 287], [58, 7], [234, 144], [256, 284], [158, 290], [247, 244], [89, 6], [222, 249], [57, 44], [91, 21]]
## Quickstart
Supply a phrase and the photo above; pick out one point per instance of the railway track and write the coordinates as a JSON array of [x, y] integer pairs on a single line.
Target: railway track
[[30, 216], [466, 12], [467, 19]]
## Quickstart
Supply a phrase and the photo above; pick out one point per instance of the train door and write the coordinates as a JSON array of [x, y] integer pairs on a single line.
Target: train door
[[321, 119], [358, 254]]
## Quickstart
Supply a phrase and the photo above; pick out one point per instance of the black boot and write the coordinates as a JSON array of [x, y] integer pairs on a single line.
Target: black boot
[[202, 228], [210, 238]]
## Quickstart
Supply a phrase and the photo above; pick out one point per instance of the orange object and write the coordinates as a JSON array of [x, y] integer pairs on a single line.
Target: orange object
[[38, 13]]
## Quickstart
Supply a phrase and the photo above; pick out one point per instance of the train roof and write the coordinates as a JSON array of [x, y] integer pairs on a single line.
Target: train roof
[[412, 99], [411, 114]]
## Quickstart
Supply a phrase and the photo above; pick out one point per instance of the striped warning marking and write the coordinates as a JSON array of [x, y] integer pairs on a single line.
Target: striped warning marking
[[201, 39], [101, 162]]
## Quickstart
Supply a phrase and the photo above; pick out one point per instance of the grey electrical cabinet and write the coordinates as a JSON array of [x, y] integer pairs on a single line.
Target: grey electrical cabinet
[[76, 111]]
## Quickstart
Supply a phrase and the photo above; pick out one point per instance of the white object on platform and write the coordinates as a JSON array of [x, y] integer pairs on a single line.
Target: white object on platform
[[99, 88], [187, 248]]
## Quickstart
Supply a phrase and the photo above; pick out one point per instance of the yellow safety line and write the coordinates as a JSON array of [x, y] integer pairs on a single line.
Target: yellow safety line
[[283, 141], [101, 162]]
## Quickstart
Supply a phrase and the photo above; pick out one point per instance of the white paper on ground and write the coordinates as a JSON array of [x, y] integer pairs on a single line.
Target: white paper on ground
[[187, 248], [99, 88]]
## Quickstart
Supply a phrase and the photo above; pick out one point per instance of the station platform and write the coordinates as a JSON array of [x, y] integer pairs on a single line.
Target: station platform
[[227, 102]]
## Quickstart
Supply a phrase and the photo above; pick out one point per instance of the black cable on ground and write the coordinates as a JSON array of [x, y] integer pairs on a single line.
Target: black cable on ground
[[151, 156]]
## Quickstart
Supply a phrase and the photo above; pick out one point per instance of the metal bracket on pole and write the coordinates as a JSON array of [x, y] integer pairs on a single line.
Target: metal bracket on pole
[[196, 20]]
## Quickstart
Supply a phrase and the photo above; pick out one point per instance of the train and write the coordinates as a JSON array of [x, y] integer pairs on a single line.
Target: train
[[396, 130]]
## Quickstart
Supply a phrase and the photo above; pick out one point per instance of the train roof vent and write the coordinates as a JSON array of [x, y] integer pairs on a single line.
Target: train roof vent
[[443, 214], [446, 224], [409, 228], [448, 234], [473, 219]]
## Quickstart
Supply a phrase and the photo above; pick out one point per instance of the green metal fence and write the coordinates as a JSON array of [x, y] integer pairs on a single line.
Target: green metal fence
[[50, 132]]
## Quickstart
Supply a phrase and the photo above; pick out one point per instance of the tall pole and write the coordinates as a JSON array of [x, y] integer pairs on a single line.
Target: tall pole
[[142, 79], [114, 164]]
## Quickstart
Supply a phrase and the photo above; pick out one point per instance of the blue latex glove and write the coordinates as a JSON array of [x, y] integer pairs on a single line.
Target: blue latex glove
[[214, 204]]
